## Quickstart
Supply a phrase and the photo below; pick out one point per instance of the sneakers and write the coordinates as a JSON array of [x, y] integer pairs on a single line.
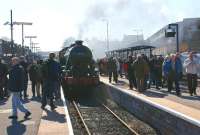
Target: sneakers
[[27, 115], [13, 117]]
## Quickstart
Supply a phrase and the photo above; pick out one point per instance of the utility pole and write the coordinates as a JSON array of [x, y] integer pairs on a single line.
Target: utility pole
[[107, 25], [34, 47], [22, 24], [137, 31], [11, 27], [31, 37], [11, 23], [11, 31], [107, 33]]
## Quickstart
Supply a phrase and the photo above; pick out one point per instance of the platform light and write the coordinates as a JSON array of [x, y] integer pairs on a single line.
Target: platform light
[[170, 33]]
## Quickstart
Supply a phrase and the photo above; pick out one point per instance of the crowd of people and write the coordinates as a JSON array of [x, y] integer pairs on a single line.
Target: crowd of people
[[44, 77], [143, 72]]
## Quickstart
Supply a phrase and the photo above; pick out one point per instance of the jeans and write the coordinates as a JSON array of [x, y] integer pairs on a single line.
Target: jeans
[[38, 89], [114, 74], [151, 79], [132, 81], [47, 92], [140, 84], [33, 87], [17, 104], [192, 83], [25, 86], [57, 89], [173, 79]]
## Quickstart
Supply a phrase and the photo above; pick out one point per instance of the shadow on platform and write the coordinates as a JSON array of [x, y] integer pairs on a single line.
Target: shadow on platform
[[119, 83], [3, 101], [54, 116], [191, 97], [17, 128], [36, 99], [59, 102], [155, 94]]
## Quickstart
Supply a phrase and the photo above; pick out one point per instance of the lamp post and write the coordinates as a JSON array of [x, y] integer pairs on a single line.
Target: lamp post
[[177, 35], [171, 33], [11, 31], [137, 31], [22, 24], [107, 33], [11, 23], [34, 47], [31, 37]]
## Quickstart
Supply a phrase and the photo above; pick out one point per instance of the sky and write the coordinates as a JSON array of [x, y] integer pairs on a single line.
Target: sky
[[56, 20]]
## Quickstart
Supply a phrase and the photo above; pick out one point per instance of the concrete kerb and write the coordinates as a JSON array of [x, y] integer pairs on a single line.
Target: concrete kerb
[[66, 113], [155, 105]]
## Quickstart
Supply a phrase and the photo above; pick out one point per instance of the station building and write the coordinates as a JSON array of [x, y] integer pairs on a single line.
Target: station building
[[189, 38]]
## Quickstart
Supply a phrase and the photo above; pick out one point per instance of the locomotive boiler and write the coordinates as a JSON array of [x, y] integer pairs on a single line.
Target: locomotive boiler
[[78, 67]]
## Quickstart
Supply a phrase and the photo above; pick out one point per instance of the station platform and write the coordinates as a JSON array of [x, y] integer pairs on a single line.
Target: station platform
[[185, 104], [41, 122]]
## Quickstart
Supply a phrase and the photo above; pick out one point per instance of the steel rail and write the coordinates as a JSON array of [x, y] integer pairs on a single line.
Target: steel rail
[[82, 120], [124, 123]]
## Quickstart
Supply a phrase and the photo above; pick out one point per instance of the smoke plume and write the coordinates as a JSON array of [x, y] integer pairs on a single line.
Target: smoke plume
[[99, 11]]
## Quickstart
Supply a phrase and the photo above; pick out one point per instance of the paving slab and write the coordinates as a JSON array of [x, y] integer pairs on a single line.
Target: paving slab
[[20, 126], [53, 122]]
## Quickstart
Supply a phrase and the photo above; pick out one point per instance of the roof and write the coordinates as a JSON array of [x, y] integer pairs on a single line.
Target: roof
[[134, 48]]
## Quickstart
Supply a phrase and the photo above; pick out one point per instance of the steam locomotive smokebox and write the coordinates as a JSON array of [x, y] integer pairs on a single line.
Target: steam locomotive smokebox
[[79, 74]]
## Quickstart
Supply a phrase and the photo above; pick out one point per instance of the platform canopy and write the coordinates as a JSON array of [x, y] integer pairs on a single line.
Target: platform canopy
[[134, 48], [124, 52]]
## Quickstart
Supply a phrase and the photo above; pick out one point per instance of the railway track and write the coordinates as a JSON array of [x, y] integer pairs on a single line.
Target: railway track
[[98, 120]]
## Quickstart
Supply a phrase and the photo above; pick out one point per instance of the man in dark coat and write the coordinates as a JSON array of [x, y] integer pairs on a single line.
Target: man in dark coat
[[152, 70], [24, 64], [131, 74], [33, 75], [112, 69], [141, 69], [15, 85], [51, 75], [158, 73], [3, 79], [172, 69]]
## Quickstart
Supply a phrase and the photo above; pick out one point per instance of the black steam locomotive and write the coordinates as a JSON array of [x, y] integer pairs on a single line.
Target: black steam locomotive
[[78, 67]]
